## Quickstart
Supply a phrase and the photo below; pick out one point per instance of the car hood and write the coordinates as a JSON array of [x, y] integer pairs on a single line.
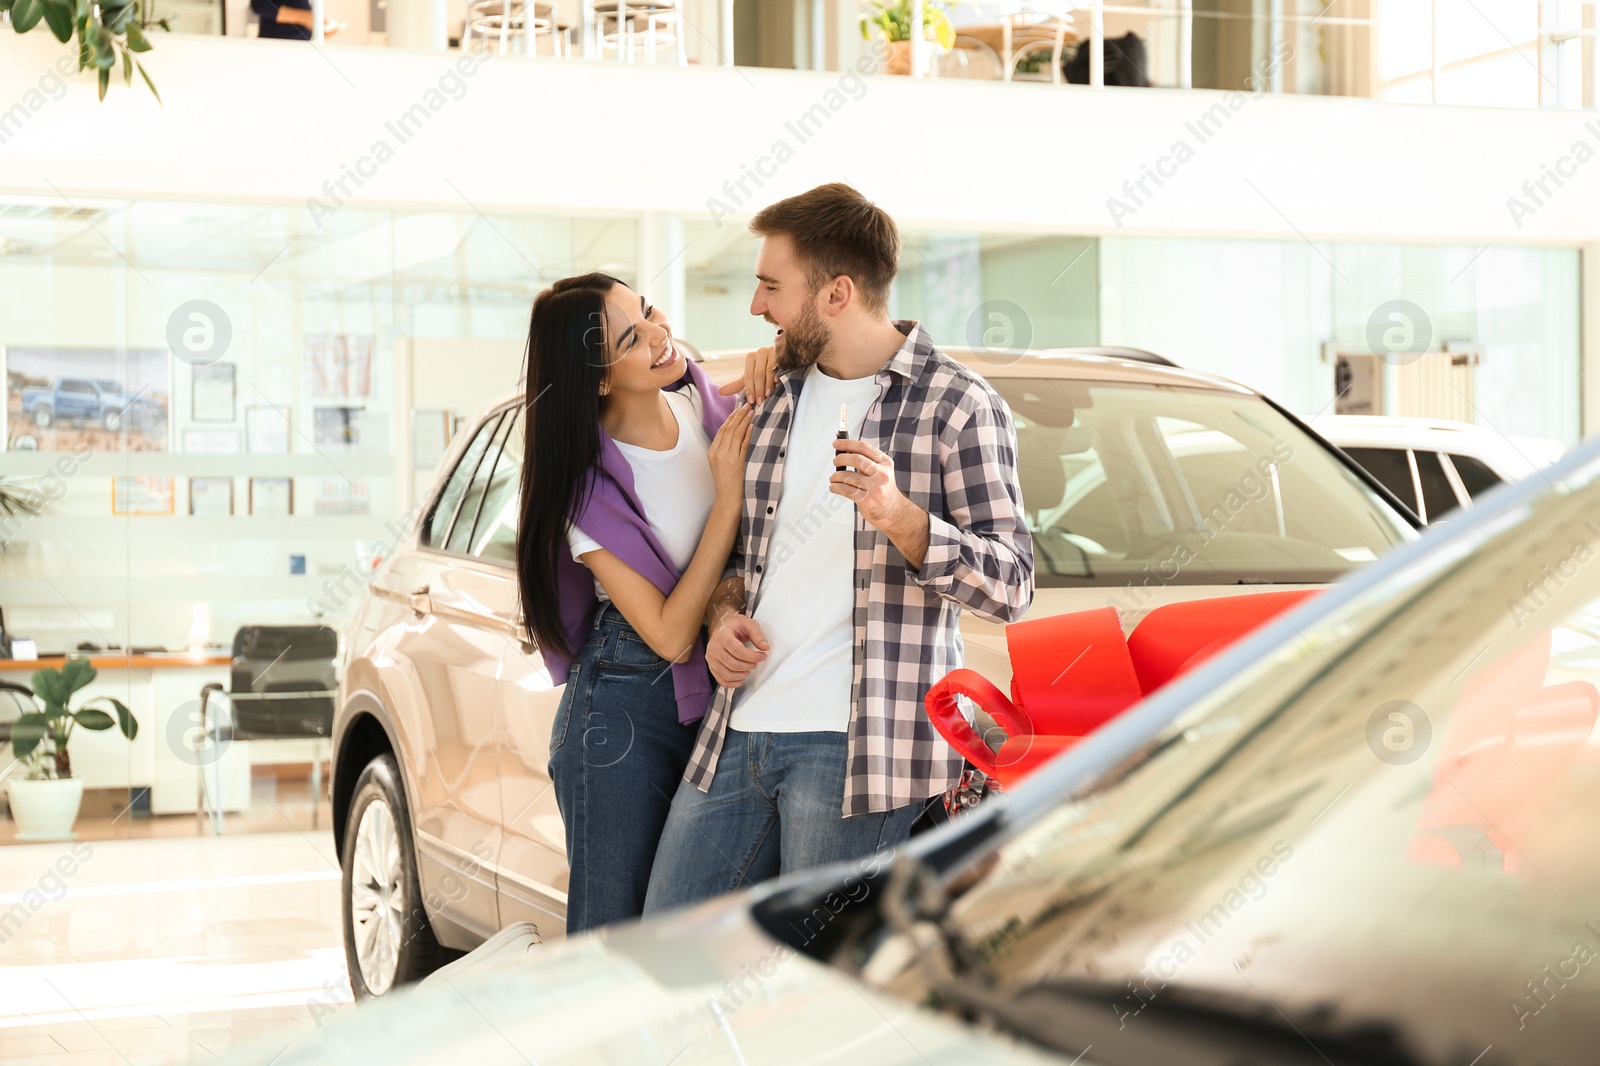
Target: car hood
[[702, 986]]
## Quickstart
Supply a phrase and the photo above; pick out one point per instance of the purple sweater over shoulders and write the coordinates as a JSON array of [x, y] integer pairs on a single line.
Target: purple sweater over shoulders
[[614, 519]]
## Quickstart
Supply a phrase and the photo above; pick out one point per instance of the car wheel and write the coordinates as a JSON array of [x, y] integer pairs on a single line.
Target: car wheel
[[112, 420], [43, 416], [387, 938]]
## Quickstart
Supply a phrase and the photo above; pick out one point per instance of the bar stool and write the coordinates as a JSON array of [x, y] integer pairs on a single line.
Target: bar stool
[[508, 21], [662, 19]]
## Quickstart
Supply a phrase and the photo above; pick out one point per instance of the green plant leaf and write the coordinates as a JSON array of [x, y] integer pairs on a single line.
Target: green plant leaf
[[94, 718], [105, 53], [127, 67], [76, 672], [137, 42], [48, 686], [105, 80], [26, 733], [58, 13], [25, 14], [146, 76], [125, 720]]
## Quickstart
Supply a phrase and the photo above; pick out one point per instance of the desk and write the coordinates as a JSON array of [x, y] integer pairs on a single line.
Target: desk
[[162, 690], [113, 660]]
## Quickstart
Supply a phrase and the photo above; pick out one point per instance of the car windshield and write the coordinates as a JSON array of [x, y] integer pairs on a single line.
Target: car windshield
[[1386, 824], [1163, 485]]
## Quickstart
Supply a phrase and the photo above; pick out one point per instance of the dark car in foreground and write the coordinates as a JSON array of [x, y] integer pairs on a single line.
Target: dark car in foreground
[[1364, 834]]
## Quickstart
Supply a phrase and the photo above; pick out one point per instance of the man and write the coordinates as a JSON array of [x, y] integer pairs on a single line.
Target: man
[[856, 558]]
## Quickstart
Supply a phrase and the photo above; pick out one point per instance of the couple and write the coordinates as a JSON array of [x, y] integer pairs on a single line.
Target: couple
[[826, 532]]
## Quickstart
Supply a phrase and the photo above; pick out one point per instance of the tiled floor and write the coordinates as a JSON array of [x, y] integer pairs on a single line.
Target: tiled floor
[[277, 804], [165, 949]]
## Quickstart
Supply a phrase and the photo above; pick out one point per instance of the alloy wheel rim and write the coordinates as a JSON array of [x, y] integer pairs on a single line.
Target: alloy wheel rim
[[377, 899]]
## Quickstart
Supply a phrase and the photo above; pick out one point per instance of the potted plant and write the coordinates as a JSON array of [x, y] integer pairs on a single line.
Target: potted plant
[[45, 797], [893, 19], [109, 33]]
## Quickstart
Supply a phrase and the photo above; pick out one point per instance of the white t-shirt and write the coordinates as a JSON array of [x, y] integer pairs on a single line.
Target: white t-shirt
[[675, 487], [806, 601]]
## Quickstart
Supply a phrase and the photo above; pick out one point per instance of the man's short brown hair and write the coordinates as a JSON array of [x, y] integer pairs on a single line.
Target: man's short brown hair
[[837, 231]]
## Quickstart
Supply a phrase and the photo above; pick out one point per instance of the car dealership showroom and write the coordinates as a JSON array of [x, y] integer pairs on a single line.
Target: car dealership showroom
[[786, 532]]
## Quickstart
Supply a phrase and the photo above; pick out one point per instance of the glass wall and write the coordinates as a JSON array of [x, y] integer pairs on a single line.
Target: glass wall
[[225, 414], [1275, 315], [220, 415], [969, 289]]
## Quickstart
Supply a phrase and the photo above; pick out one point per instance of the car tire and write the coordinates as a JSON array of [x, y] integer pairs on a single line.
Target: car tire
[[112, 420], [388, 941], [43, 416]]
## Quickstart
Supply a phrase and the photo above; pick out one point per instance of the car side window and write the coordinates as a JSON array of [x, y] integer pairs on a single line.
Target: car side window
[[1438, 495], [1070, 504], [1475, 474], [444, 508], [477, 488], [1390, 466], [495, 539]]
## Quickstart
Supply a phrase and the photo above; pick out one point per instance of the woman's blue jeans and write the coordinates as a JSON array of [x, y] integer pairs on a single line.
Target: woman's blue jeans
[[617, 753]]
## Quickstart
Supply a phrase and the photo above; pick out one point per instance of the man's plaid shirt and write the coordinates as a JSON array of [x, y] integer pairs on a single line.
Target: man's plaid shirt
[[954, 451]]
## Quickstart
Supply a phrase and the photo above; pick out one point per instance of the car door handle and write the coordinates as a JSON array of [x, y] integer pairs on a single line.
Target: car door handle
[[420, 601]]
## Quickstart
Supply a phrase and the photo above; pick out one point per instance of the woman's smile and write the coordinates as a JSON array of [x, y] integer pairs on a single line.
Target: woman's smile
[[668, 357]]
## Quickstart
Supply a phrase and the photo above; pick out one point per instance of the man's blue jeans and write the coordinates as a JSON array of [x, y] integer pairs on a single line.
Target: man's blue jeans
[[775, 806], [616, 754]]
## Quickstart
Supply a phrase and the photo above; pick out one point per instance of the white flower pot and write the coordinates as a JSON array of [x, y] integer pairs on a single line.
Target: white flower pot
[[45, 810]]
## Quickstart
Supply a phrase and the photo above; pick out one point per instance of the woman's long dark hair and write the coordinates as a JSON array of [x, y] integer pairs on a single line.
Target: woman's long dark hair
[[565, 363]]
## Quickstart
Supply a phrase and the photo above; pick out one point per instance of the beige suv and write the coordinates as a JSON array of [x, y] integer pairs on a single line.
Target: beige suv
[[1142, 483]]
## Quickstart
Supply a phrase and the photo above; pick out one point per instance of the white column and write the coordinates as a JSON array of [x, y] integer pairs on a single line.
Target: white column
[[316, 20], [919, 42], [1591, 20], [1097, 44], [662, 274], [420, 24], [1589, 346], [1438, 67], [818, 35], [1185, 44], [1275, 45]]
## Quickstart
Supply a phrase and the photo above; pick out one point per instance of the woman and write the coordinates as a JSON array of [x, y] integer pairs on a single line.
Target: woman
[[632, 493]]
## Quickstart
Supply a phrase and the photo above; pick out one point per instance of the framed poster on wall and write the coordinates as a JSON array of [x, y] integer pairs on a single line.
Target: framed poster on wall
[[210, 496], [111, 399], [208, 441], [266, 430], [338, 365], [213, 396], [272, 496], [138, 495]]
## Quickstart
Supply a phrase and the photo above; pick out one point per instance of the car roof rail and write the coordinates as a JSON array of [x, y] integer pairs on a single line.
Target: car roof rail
[[1114, 351]]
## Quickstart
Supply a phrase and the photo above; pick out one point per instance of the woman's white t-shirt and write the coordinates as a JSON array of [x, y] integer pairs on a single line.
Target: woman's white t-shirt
[[675, 487]]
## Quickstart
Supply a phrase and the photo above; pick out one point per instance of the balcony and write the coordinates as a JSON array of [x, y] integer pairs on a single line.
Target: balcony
[[1515, 53]]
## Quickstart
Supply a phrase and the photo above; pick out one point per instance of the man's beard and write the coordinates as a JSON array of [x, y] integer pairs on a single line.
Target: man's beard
[[804, 341]]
